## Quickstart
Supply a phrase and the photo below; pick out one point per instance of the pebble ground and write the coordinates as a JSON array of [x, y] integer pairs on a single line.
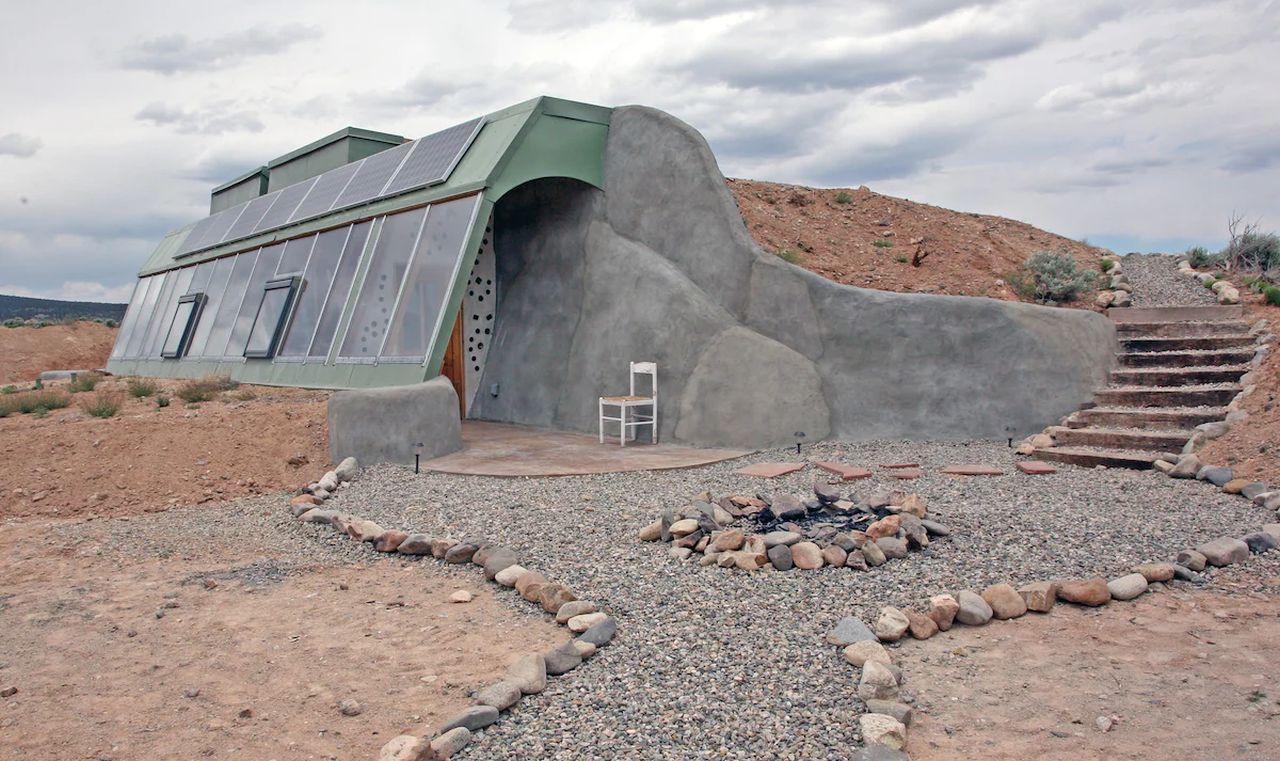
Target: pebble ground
[[716, 663], [1156, 282]]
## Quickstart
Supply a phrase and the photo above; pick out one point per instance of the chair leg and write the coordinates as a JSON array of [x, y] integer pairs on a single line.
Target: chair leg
[[622, 426], [600, 419]]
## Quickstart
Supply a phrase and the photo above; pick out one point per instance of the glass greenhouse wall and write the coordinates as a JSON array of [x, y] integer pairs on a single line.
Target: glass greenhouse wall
[[373, 291]]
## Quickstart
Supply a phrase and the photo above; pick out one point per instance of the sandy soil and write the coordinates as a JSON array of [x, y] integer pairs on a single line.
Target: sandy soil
[[249, 441], [254, 668], [1179, 670], [25, 352], [968, 254], [1253, 448]]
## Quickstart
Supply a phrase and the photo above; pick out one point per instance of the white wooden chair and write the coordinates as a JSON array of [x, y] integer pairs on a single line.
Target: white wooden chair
[[630, 407]]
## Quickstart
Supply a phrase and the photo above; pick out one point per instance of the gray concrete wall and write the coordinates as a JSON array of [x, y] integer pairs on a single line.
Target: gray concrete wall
[[383, 424], [750, 348]]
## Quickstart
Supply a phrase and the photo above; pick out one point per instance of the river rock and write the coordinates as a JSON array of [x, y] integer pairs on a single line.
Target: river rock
[[601, 633], [806, 556], [500, 695], [1224, 551], [900, 711], [415, 544], [887, 526], [1005, 601], [574, 608], [872, 553], [460, 553], [879, 729], [1039, 596], [580, 623], [498, 560], [1191, 560], [1127, 587], [834, 556], [891, 624], [866, 650], [507, 576], [775, 538], [390, 540], [406, 748], [974, 611], [942, 610], [1259, 542], [850, 630], [780, 556], [440, 547], [731, 539], [892, 547], [448, 744], [1188, 466], [561, 660], [1090, 592], [473, 718], [878, 682], [529, 673], [552, 596], [920, 625], [1154, 572]]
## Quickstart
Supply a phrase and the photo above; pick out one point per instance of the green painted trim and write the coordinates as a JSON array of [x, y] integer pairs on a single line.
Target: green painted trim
[[345, 132], [262, 170], [267, 373]]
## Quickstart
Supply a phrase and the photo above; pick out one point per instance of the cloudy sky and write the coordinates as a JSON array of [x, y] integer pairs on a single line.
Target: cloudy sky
[[1141, 125]]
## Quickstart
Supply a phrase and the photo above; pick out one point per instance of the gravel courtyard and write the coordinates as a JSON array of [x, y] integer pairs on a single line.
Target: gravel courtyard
[[714, 663]]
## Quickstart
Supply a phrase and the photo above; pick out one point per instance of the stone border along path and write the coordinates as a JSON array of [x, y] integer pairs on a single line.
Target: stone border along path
[[595, 629], [897, 523]]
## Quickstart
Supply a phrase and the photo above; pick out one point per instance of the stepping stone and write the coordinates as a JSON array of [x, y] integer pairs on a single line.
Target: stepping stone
[[770, 469], [905, 474], [1035, 467], [900, 465], [846, 472], [972, 470]]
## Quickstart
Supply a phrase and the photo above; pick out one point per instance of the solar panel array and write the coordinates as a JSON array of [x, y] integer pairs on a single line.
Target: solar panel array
[[416, 164]]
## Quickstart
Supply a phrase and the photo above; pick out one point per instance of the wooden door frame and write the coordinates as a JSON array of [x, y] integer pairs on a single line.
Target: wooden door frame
[[454, 366]]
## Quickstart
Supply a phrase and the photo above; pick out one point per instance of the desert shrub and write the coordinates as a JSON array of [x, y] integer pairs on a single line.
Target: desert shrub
[[788, 255], [901, 258], [1200, 258], [843, 197], [104, 404], [84, 382], [28, 402], [9, 390], [204, 389], [162, 401], [1107, 265], [1250, 249], [140, 387], [245, 395], [14, 322], [882, 243], [799, 198], [1057, 276], [1272, 294], [111, 323]]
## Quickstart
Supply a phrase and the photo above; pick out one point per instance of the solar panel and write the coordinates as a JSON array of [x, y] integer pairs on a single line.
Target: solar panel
[[325, 192], [372, 176], [285, 205], [202, 234], [434, 157], [253, 213]]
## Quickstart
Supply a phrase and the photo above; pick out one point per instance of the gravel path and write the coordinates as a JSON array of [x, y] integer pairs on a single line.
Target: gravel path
[[1156, 282], [713, 663]]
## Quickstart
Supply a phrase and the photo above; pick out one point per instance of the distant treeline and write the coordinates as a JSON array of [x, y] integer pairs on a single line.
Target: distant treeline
[[23, 308]]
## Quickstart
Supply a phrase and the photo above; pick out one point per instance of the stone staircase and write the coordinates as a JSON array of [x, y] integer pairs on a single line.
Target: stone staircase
[[1177, 367]]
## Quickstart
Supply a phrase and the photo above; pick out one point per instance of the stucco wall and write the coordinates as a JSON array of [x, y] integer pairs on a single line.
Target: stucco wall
[[750, 348]]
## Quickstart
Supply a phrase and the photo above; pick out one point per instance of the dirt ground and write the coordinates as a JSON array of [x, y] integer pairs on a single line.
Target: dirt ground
[[1252, 449], [255, 667], [25, 352], [1189, 671], [968, 254], [252, 440]]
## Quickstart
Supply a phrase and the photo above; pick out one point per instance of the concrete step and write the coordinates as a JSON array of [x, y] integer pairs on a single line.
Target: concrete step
[[1177, 376], [1146, 417], [1120, 438], [1158, 396], [1172, 329], [1187, 343], [1111, 458], [1238, 356], [1174, 314]]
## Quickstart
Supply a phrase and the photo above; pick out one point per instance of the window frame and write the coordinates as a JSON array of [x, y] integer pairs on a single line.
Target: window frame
[[188, 330], [290, 282]]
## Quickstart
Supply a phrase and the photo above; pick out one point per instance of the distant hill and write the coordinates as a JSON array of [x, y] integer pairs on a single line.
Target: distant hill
[[23, 308]]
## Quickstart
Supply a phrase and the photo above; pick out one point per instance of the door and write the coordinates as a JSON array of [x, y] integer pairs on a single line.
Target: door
[[453, 367]]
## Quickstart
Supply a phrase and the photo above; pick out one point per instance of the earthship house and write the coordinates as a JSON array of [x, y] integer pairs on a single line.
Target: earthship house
[[528, 255]]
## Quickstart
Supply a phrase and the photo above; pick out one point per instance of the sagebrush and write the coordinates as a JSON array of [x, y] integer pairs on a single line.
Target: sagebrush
[[1057, 276], [104, 404], [140, 387], [204, 389]]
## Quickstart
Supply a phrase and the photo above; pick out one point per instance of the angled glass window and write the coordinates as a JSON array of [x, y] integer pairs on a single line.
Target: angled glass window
[[294, 260], [268, 323], [387, 266], [263, 272], [130, 318], [155, 284], [338, 295], [214, 291], [315, 286], [184, 319], [165, 308], [230, 307], [430, 277]]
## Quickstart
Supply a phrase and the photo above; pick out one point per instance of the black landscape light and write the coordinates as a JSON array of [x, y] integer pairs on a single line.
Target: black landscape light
[[799, 435], [417, 455]]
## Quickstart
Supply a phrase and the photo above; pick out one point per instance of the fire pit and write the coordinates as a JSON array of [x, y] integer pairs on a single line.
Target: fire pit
[[785, 532]]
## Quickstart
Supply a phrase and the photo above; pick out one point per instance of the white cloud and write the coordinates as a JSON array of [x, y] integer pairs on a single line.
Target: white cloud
[[214, 119], [177, 52], [18, 145]]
